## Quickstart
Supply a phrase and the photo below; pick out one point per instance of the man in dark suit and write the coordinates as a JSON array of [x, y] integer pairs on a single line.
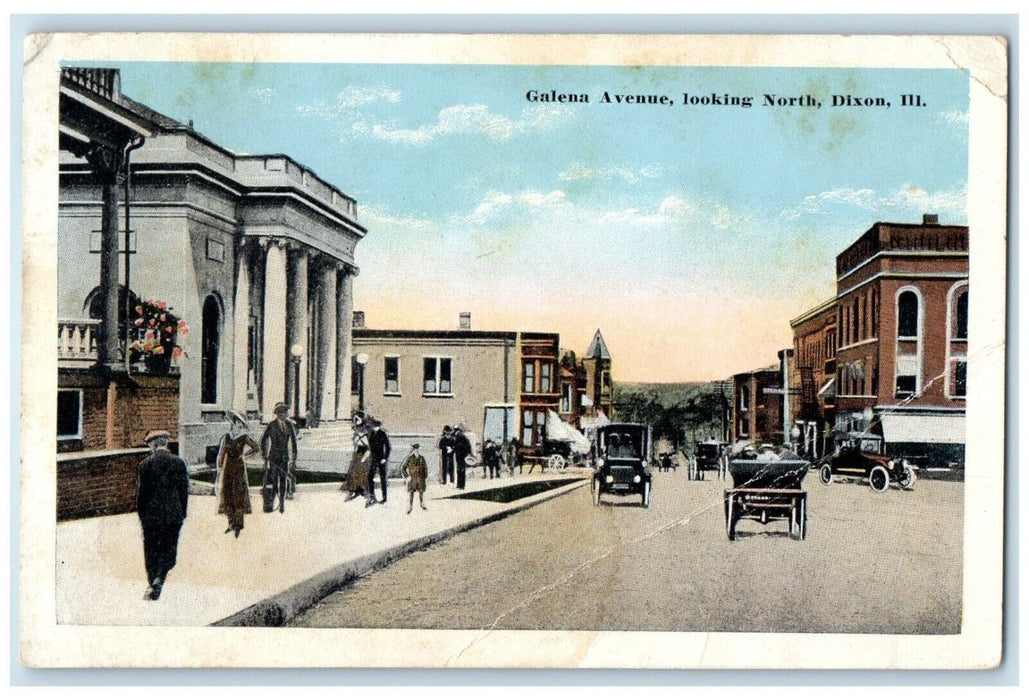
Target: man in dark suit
[[462, 450], [446, 456], [378, 445], [162, 495], [279, 446]]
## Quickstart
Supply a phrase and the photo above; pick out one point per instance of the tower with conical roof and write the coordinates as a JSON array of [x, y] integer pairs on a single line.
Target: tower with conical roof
[[597, 363]]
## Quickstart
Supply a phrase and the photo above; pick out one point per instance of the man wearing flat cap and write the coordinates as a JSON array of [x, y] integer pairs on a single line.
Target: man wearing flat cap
[[162, 495], [279, 446]]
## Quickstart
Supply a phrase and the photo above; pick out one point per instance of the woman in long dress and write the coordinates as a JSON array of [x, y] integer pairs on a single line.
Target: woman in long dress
[[360, 464], [234, 494]]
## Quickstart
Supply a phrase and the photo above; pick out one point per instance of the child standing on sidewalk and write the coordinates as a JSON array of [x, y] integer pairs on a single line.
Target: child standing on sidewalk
[[415, 470]]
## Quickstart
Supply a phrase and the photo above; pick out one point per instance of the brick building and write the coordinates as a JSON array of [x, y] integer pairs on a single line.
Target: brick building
[[902, 326], [757, 406], [814, 354]]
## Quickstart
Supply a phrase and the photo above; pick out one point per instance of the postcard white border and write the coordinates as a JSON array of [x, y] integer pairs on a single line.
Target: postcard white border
[[45, 644]]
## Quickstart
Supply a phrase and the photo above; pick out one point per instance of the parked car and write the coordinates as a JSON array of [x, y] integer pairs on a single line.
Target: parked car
[[861, 455], [622, 467]]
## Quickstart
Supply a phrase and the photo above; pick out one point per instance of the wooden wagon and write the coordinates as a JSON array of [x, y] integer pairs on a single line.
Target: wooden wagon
[[765, 490]]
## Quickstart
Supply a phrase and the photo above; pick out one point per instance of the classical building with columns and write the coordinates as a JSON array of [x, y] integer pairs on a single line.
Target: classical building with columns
[[254, 252]]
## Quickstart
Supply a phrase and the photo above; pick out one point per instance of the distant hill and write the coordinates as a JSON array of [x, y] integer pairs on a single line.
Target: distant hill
[[678, 412]]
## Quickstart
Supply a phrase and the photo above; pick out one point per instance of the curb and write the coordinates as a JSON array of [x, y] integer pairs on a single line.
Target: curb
[[280, 608]]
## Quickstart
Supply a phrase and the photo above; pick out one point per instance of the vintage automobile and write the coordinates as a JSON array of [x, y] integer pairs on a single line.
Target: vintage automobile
[[708, 456], [622, 468], [767, 486], [860, 455]]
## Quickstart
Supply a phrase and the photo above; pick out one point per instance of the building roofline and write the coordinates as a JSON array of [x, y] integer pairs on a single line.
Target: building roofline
[[373, 333], [813, 312]]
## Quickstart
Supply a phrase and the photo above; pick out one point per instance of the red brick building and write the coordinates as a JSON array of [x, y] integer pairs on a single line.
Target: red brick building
[[888, 354], [902, 315], [814, 357], [757, 406]]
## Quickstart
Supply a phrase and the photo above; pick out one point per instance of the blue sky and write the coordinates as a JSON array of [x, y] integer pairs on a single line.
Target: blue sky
[[689, 235]]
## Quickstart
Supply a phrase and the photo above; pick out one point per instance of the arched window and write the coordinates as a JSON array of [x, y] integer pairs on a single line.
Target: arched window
[[907, 315], [210, 345], [961, 317], [908, 358]]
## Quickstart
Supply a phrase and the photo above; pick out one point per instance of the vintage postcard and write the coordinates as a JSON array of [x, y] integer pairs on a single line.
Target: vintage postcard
[[513, 351]]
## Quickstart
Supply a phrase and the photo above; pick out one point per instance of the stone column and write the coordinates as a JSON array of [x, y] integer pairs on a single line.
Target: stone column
[[297, 328], [327, 340], [273, 380], [241, 332], [344, 325], [106, 162]]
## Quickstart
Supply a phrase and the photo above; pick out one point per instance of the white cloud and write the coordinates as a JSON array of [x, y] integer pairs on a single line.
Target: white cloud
[[265, 95], [496, 204], [461, 119], [955, 117], [949, 204], [585, 172], [348, 101], [901, 204]]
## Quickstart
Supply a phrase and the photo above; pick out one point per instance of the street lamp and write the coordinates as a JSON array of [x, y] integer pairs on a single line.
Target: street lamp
[[296, 352], [362, 360]]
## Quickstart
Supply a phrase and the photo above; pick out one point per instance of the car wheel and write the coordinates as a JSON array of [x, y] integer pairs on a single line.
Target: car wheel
[[907, 477], [825, 474], [878, 479], [596, 493], [646, 495]]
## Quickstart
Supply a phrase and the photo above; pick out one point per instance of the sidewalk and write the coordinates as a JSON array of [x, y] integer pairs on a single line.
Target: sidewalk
[[280, 564]]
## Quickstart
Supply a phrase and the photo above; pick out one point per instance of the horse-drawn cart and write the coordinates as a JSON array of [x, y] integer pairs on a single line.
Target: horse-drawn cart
[[765, 489]]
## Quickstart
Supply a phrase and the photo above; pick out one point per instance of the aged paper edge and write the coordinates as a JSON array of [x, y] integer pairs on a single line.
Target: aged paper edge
[[45, 644]]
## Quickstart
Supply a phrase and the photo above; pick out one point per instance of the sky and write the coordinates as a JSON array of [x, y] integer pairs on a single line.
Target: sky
[[689, 234]]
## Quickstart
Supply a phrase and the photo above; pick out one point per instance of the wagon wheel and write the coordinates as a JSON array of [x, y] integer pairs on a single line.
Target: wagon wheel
[[556, 462], [730, 517], [825, 474], [645, 496], [878, 479], [907, 477]]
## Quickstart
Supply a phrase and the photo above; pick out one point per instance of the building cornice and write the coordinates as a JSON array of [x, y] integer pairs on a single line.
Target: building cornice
[[900, 274], [904, 254]]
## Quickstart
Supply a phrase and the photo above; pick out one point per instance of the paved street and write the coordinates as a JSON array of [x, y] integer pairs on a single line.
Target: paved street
[[872, 563]]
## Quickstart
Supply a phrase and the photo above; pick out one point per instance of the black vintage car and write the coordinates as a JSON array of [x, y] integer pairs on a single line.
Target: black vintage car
[[861, 455], [622, 468], [708, 456]]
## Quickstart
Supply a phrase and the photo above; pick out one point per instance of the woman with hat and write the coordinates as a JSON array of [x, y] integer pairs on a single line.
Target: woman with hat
[[234, 494], [360, 463]]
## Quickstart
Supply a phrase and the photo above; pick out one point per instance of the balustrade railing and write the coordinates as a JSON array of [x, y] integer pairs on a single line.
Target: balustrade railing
[[77, 340]]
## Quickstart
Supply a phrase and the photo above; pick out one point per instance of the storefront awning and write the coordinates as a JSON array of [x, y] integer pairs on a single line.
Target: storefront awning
[[938, 429]]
